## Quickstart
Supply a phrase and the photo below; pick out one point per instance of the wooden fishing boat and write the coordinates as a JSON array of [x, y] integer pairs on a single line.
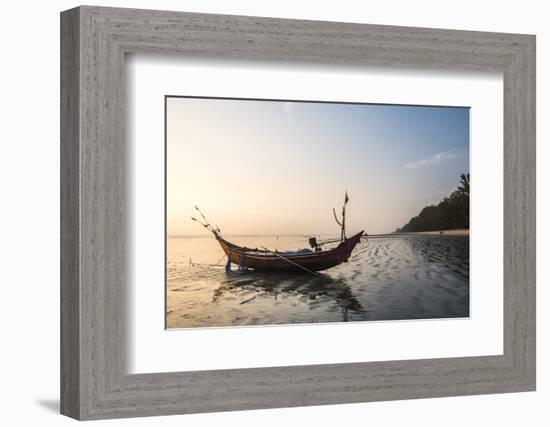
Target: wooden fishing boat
[[265, 260]]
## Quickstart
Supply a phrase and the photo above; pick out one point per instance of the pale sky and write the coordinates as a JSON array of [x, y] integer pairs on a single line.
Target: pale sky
[[274, 167]]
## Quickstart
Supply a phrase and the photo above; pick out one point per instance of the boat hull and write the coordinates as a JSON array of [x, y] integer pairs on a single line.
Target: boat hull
[[267, 261]]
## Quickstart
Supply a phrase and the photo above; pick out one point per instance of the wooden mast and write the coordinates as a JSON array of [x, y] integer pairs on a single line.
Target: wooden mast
[[343, 223]]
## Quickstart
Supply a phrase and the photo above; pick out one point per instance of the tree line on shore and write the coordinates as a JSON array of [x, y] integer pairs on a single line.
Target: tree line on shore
[[453, 212]]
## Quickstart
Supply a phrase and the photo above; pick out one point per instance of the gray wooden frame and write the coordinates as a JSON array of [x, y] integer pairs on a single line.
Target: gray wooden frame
[[94, 41]]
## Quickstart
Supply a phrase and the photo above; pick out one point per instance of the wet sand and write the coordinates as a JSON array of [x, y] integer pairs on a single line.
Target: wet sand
[[399, 277]]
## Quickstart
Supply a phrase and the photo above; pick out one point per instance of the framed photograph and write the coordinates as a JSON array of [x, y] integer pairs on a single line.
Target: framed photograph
[[261, 213]]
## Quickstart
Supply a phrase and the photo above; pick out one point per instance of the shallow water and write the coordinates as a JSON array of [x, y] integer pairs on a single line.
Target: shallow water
[[406, 277]]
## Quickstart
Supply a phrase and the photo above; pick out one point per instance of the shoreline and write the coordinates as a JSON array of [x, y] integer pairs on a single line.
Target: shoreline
[[439, 233], [456, 232]]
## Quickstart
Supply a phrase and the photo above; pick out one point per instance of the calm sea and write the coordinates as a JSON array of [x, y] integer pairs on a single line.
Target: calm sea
[[406, 277]]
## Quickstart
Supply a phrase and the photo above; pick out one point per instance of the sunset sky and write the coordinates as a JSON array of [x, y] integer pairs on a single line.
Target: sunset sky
[[273, 167]]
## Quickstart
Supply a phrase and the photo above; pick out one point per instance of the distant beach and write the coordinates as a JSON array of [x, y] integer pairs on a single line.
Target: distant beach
[[457, 232]]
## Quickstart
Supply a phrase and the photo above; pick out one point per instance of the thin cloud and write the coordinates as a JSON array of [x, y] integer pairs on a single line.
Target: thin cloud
[[434, 160], [288, 108]]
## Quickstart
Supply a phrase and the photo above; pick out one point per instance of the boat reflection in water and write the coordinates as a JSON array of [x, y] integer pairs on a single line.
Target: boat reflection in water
[[320, 291]]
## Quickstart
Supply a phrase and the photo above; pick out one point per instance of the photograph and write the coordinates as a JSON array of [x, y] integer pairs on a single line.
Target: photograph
[[295, 212]]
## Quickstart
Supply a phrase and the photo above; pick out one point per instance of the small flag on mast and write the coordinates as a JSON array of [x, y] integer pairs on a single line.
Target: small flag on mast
[[346, 198]]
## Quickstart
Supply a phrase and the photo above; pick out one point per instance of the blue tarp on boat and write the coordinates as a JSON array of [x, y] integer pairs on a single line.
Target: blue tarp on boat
[[299, 251]]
